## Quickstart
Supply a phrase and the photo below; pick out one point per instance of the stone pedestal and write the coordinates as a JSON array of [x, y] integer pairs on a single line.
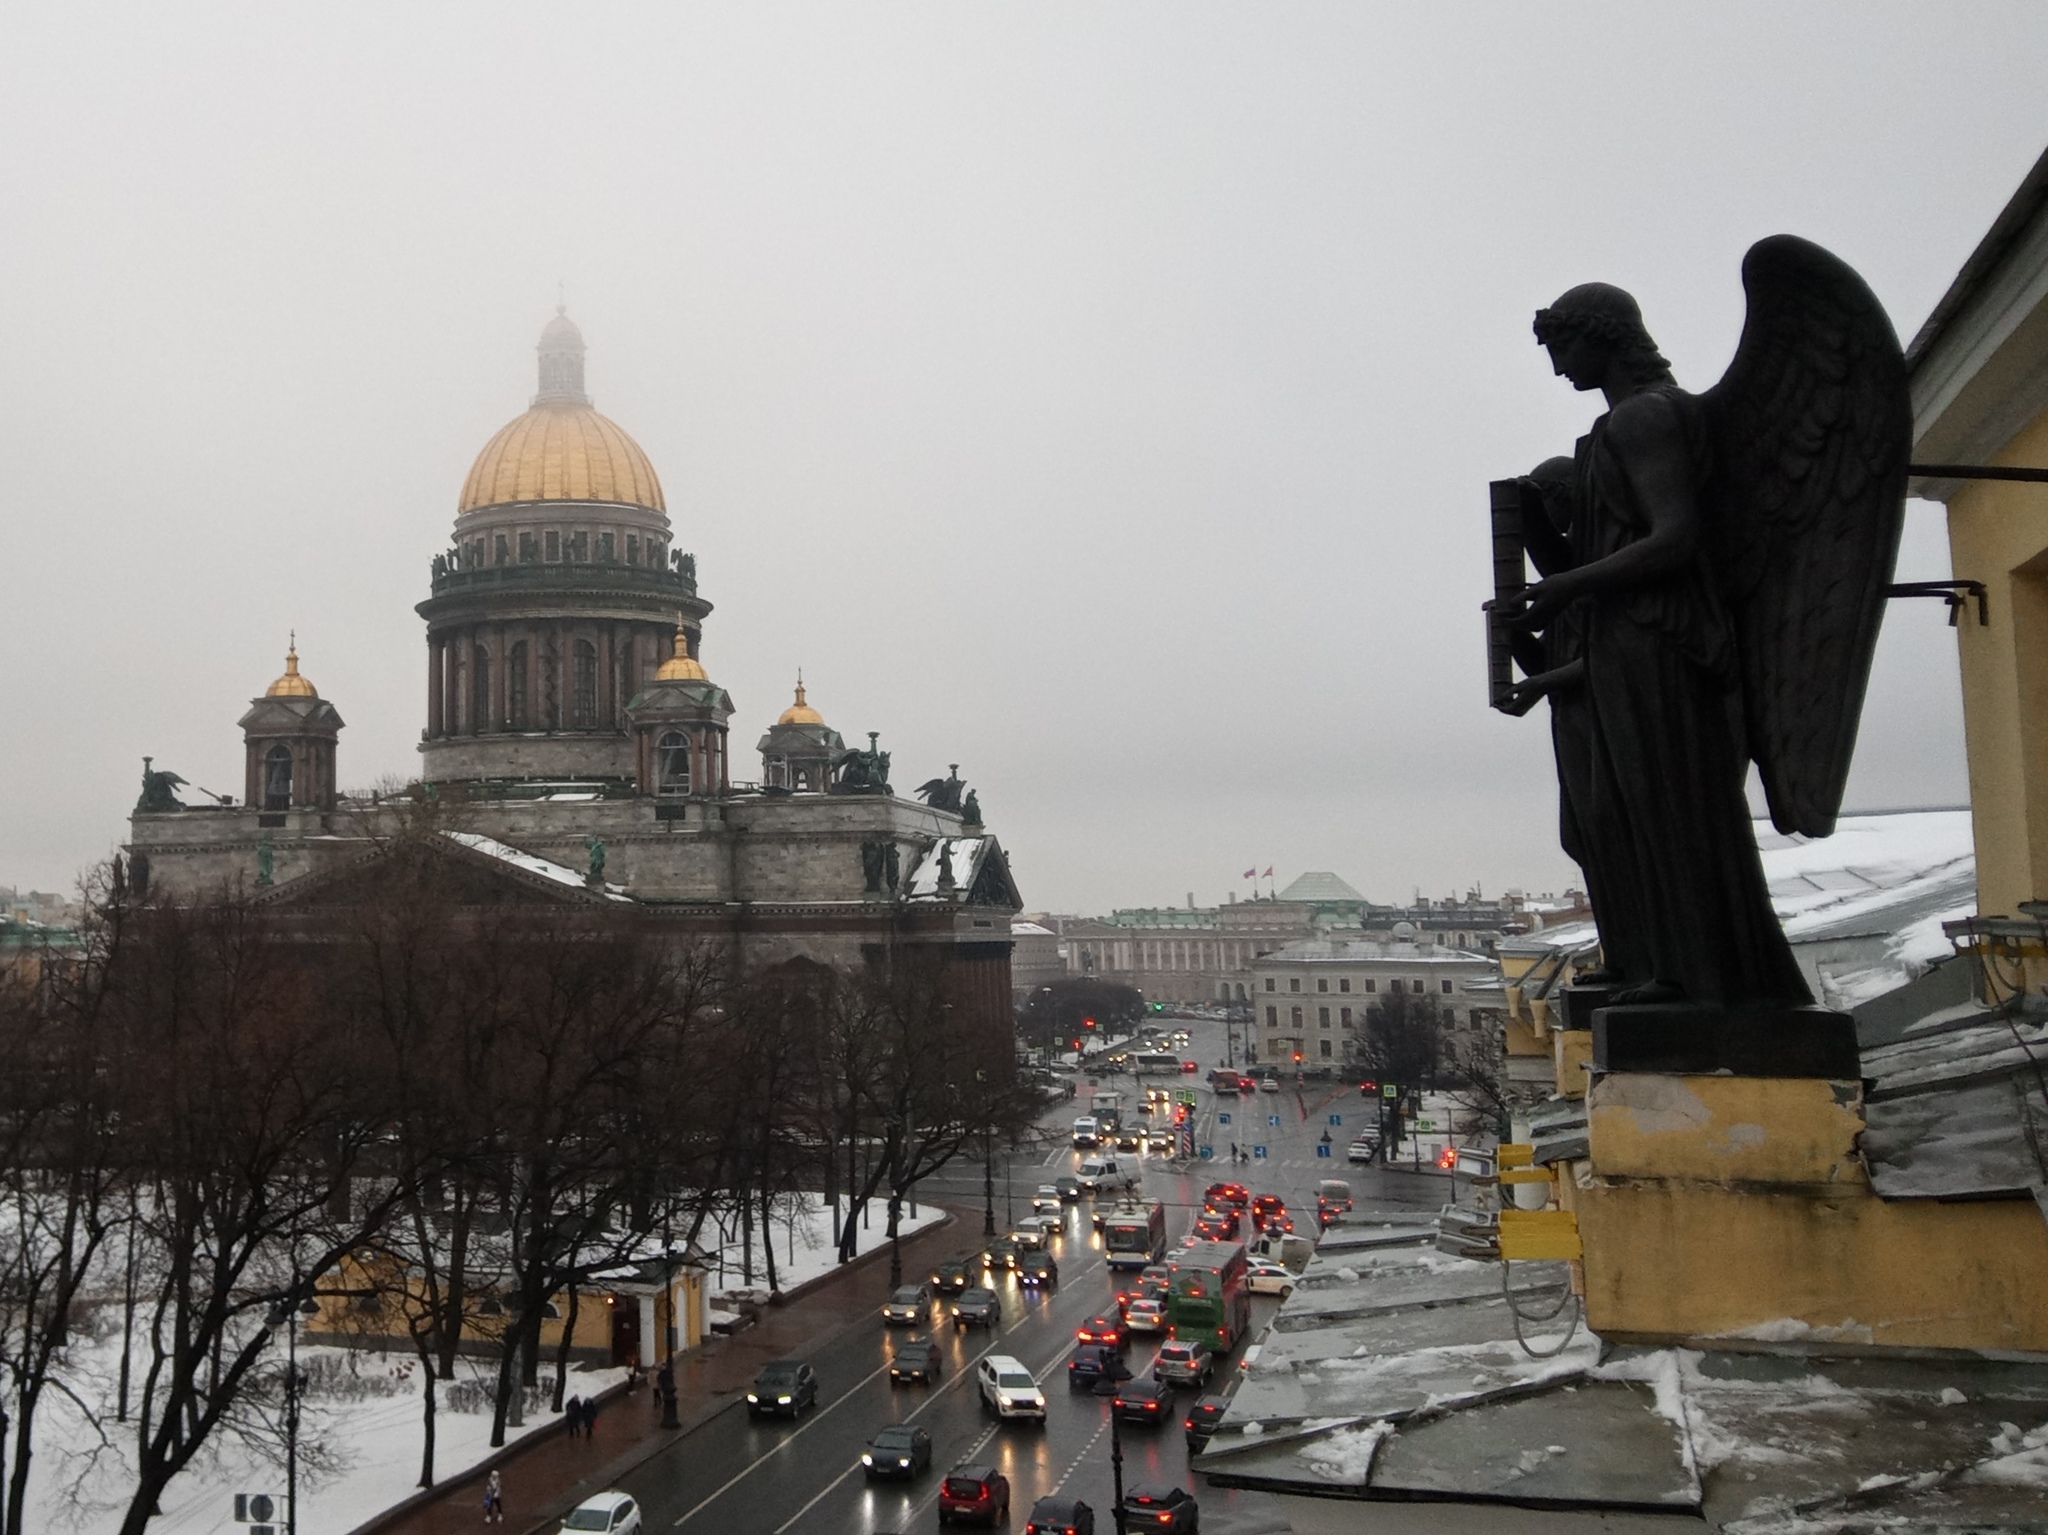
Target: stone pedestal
[[1691, 1039]]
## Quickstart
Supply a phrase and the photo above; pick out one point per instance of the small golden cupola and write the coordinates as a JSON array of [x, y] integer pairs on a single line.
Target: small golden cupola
[[800, 712], [678, 722], [681, 666], [291, 684]]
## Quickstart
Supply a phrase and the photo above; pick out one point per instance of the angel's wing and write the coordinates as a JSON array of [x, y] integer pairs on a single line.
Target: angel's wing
[[1811, 431]]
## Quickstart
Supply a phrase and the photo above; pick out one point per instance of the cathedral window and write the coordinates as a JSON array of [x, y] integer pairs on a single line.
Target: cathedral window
[[579, 547], [277, 778], [503, 551], [803, 780], [605, 550], [778, 772], [515, 686], [554, 547], [583, 699], [528, 550], [632, 548], [480, 692], [672, 764]]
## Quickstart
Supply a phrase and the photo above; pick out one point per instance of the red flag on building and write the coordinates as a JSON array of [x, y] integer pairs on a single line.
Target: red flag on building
[[1252, 872], [1267, 875]]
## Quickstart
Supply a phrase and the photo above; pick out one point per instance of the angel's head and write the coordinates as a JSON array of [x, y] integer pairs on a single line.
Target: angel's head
[[1594, 331]]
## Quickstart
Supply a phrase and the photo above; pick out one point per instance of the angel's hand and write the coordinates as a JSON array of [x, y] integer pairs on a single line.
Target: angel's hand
[[1522, 696], [1534, 606]]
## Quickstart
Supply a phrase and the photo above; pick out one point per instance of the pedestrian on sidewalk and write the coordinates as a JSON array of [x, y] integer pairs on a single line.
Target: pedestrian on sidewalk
[[572, 1415], [590, 1417], [494, 1499]]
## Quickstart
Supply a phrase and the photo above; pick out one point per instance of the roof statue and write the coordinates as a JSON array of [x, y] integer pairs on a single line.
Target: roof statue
[[1714, 569], [862, 772], [159, 789], [943, 793]]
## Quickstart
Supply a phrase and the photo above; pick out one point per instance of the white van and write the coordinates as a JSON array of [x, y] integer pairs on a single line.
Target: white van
[[1086, 1131], [1097, 1174], [1007, 1388]]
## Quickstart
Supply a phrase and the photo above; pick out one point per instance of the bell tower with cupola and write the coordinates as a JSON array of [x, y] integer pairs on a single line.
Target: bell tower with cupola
[[556, 601], [679, 729], [289, 738], [799, 749]]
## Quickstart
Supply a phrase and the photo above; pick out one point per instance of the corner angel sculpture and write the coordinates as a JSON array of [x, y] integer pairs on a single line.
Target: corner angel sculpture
[[1714, 573]]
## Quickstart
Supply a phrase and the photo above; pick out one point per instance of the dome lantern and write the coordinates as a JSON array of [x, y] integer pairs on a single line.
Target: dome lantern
[[561, 362]]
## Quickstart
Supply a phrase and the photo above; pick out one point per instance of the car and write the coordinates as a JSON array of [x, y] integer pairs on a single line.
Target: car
[[1069, 1187], [1264, 1205], [1154, 1506], [977, 1308], [1100, 1173], [1189, 1065], [1131, 1138], [614, 1513], [907, 1305], [1108, 1330], [1038, 1269], [1142, 1401], [917, 1360], [1182, 1362], [1026, 1237], [1218, 1196], [1364, 1149], [1060, 1516], [1047, 1198], [1269, 1278], [1221, 1226], [1202, 1419], [1001, 1254], [1088, 1364], [1007, 1388], [784, 1388], [1162, 1139], [1334, 1192], [980, 1493], [949, 1277], [1269, 1085], [901, 1449], [1145, 1313]]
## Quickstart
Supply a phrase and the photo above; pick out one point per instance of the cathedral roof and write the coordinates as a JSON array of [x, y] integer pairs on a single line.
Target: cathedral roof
[[561, 449]]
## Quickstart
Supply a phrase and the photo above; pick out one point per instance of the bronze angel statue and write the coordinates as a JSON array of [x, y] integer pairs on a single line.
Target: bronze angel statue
[[1714, 569]]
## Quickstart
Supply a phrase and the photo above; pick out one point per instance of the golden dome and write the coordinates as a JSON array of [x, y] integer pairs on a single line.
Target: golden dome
[[682, 666], [291, 684], [561, 450], [800, 713]]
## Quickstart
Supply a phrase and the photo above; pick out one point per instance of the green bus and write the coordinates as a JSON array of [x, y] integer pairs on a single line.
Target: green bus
[[1209, 1295]]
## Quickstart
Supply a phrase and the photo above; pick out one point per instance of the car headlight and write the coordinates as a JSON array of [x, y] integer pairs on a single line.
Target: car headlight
[[904, 1462], [783, 1399], [866, 1459]]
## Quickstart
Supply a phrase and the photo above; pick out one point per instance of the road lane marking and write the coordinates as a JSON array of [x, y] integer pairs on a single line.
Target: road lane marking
[[792, 1519], [754, 1465], [973, 1450]]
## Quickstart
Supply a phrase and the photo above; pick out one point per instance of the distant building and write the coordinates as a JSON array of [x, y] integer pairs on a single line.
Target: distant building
[[1309, 1000]]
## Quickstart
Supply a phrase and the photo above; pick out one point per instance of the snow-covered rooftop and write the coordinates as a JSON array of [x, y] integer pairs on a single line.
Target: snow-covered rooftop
[[958, 853], [504, 852], [1319, 885]]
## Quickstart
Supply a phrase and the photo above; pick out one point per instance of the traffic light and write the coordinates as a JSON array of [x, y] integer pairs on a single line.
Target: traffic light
[[1087, 1023], [1297, 1057], [1158, 1007]]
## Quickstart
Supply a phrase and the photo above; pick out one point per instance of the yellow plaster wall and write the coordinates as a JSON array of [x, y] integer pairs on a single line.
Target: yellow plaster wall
[[1573, 1061], [1998, 534], [1789, 1130], [1673, 1261]]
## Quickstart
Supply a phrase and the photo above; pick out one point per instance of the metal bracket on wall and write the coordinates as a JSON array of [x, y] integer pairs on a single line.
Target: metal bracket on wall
[[1954, 593]]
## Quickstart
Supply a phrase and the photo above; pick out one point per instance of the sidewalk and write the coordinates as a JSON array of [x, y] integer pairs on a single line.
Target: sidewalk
[[549, 1473]]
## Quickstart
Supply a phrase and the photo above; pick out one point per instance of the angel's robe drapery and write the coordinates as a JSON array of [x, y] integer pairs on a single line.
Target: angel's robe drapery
[[1650, 762]]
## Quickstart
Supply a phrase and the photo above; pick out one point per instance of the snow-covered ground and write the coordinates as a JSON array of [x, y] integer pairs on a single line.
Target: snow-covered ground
[[360, 1428], [804, 1246]]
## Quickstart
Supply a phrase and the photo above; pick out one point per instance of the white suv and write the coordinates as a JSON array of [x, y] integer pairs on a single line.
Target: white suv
[[612, 1513], [1007, 1387]]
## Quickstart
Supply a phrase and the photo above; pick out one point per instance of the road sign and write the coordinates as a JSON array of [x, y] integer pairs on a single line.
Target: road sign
[[1208, 1152], [1390, 1091], [1258, 1153], [1336, 1119], [1272, 1119], [1222, 1119], [1322, 1148], [1185, 1095]]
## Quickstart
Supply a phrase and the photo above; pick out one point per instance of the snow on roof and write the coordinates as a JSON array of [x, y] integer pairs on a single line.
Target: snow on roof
[[965, 852], [1362, 950], [1319, 885], [504, 852], [1021, 929]]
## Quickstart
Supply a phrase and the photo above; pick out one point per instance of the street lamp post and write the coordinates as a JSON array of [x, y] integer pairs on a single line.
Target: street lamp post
[[665, 1378], [1117, 1373], [988, 1183]]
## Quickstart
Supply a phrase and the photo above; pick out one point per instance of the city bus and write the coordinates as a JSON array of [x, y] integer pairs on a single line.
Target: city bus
[[1209, 1295], [1134, 1235], [1155, 1060]]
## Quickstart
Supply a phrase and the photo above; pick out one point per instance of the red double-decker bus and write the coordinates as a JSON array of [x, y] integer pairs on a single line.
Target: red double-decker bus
[[1209, 1295]]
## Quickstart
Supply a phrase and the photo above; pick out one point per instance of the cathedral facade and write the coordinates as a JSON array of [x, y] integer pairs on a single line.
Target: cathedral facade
[[577, 749]]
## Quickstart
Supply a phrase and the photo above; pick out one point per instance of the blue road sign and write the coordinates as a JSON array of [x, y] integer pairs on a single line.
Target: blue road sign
[[1336, 1119], [1272, 1119], [1208, 1152], [1258, 1153], [1322, 1148], [1222, 1119]]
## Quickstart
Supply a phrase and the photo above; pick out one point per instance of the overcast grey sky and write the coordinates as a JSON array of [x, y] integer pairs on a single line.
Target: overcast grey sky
[[1099, 396]]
